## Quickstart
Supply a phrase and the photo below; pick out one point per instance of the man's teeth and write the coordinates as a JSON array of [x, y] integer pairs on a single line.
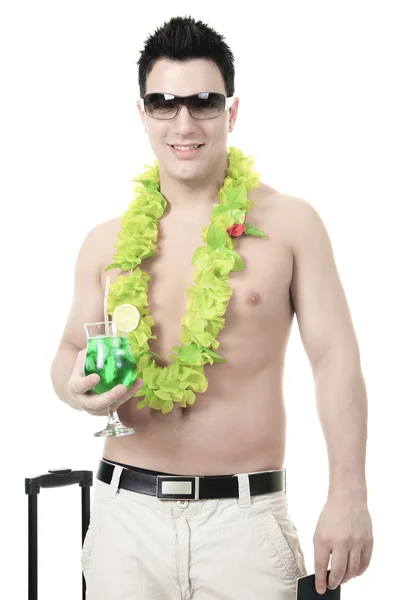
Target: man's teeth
[[186, 147]]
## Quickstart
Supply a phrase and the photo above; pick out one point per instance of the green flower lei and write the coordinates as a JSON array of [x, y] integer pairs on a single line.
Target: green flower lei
[[206, 302]]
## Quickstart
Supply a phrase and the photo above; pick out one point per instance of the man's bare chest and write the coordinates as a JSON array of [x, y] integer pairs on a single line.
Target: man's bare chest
[[260, 292], [257, 291], [258, 315]]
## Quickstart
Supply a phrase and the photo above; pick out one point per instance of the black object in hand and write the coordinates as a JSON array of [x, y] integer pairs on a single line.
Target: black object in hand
[[306, 589]]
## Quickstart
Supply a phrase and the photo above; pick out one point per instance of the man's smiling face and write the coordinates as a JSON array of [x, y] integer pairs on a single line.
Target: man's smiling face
[[185, 147]]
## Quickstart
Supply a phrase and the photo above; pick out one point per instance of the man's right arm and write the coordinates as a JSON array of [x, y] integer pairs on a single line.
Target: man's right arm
[[69, 383], [87, 307]]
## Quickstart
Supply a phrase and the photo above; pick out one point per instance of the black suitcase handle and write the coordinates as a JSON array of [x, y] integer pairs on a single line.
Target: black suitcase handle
[[33, 485]]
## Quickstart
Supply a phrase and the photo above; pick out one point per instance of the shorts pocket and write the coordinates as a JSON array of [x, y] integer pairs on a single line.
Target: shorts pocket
[[90, 537], [285, 546]]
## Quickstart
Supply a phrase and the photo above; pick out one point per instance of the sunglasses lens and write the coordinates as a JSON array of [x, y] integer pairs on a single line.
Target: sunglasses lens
[[201, 106], [160, 106], [207, 106]]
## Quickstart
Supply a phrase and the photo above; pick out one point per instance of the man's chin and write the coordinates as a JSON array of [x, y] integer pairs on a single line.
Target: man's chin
[[185, 170]]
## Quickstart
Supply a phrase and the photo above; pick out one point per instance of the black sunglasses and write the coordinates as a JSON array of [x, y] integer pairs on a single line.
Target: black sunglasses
[[206, 105]]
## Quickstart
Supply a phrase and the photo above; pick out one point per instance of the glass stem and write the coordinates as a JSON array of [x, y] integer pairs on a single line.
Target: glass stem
[[113, 418]]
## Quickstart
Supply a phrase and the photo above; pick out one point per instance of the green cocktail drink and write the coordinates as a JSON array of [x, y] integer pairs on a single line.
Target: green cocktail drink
[[109, 355], [112, 359]]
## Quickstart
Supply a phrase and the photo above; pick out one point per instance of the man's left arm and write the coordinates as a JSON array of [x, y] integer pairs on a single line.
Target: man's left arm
[[344, 528]]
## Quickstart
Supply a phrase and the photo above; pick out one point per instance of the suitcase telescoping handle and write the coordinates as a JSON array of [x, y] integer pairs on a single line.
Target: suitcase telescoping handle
[[33, 485]]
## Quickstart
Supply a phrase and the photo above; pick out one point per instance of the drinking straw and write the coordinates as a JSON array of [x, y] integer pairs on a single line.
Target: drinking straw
[[107, 323]]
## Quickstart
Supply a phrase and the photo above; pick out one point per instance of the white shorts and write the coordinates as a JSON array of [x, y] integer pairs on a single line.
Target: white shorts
[[142, 547]]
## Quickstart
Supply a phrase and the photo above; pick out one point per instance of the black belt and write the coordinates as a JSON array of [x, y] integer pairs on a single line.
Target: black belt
[[182, 487]]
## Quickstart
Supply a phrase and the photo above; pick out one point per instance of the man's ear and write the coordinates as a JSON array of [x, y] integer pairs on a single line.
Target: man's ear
[[141, 114], [233, 112]]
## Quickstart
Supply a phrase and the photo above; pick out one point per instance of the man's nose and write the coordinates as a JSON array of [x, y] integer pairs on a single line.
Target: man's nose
[[184, 122]]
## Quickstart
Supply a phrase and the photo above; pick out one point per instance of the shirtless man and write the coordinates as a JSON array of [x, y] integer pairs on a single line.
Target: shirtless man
[[242, 547]]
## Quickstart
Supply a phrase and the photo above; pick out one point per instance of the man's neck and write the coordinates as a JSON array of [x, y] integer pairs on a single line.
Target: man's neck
[[191, 194]]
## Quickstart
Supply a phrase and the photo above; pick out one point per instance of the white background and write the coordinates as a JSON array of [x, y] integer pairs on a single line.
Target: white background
[[320, 112]]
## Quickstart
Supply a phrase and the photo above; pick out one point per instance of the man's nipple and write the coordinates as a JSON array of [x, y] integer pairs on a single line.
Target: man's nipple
[[253, 298]]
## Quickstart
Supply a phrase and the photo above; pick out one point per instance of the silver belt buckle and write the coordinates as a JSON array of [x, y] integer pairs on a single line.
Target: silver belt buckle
[[177, 487]]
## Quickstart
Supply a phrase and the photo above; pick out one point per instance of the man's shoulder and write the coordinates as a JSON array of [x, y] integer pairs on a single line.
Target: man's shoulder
[[296, 217], [282, 200], [105, 228], [103, 234], [100, 240]]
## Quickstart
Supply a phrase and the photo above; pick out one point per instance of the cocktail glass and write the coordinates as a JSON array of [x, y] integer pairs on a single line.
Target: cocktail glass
[[109, 355]]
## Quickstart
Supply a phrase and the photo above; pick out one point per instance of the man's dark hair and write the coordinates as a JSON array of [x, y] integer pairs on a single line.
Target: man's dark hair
[[183, 39]]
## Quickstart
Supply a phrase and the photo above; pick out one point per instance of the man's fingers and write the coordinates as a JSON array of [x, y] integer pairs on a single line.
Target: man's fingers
[[103, 401], [136, 386], [338, 566], [125, 398], [119, 401], [97, 413], [98, 404], [353, 563], [365, 558], [101, 412], [321, 562], [81, 385]]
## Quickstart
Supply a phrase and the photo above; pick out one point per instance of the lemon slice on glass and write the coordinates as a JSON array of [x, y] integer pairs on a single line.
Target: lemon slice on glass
[[126, 318]]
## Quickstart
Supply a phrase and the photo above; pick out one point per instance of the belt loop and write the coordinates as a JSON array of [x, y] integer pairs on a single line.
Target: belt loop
[[114, 483], [244, 490]]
